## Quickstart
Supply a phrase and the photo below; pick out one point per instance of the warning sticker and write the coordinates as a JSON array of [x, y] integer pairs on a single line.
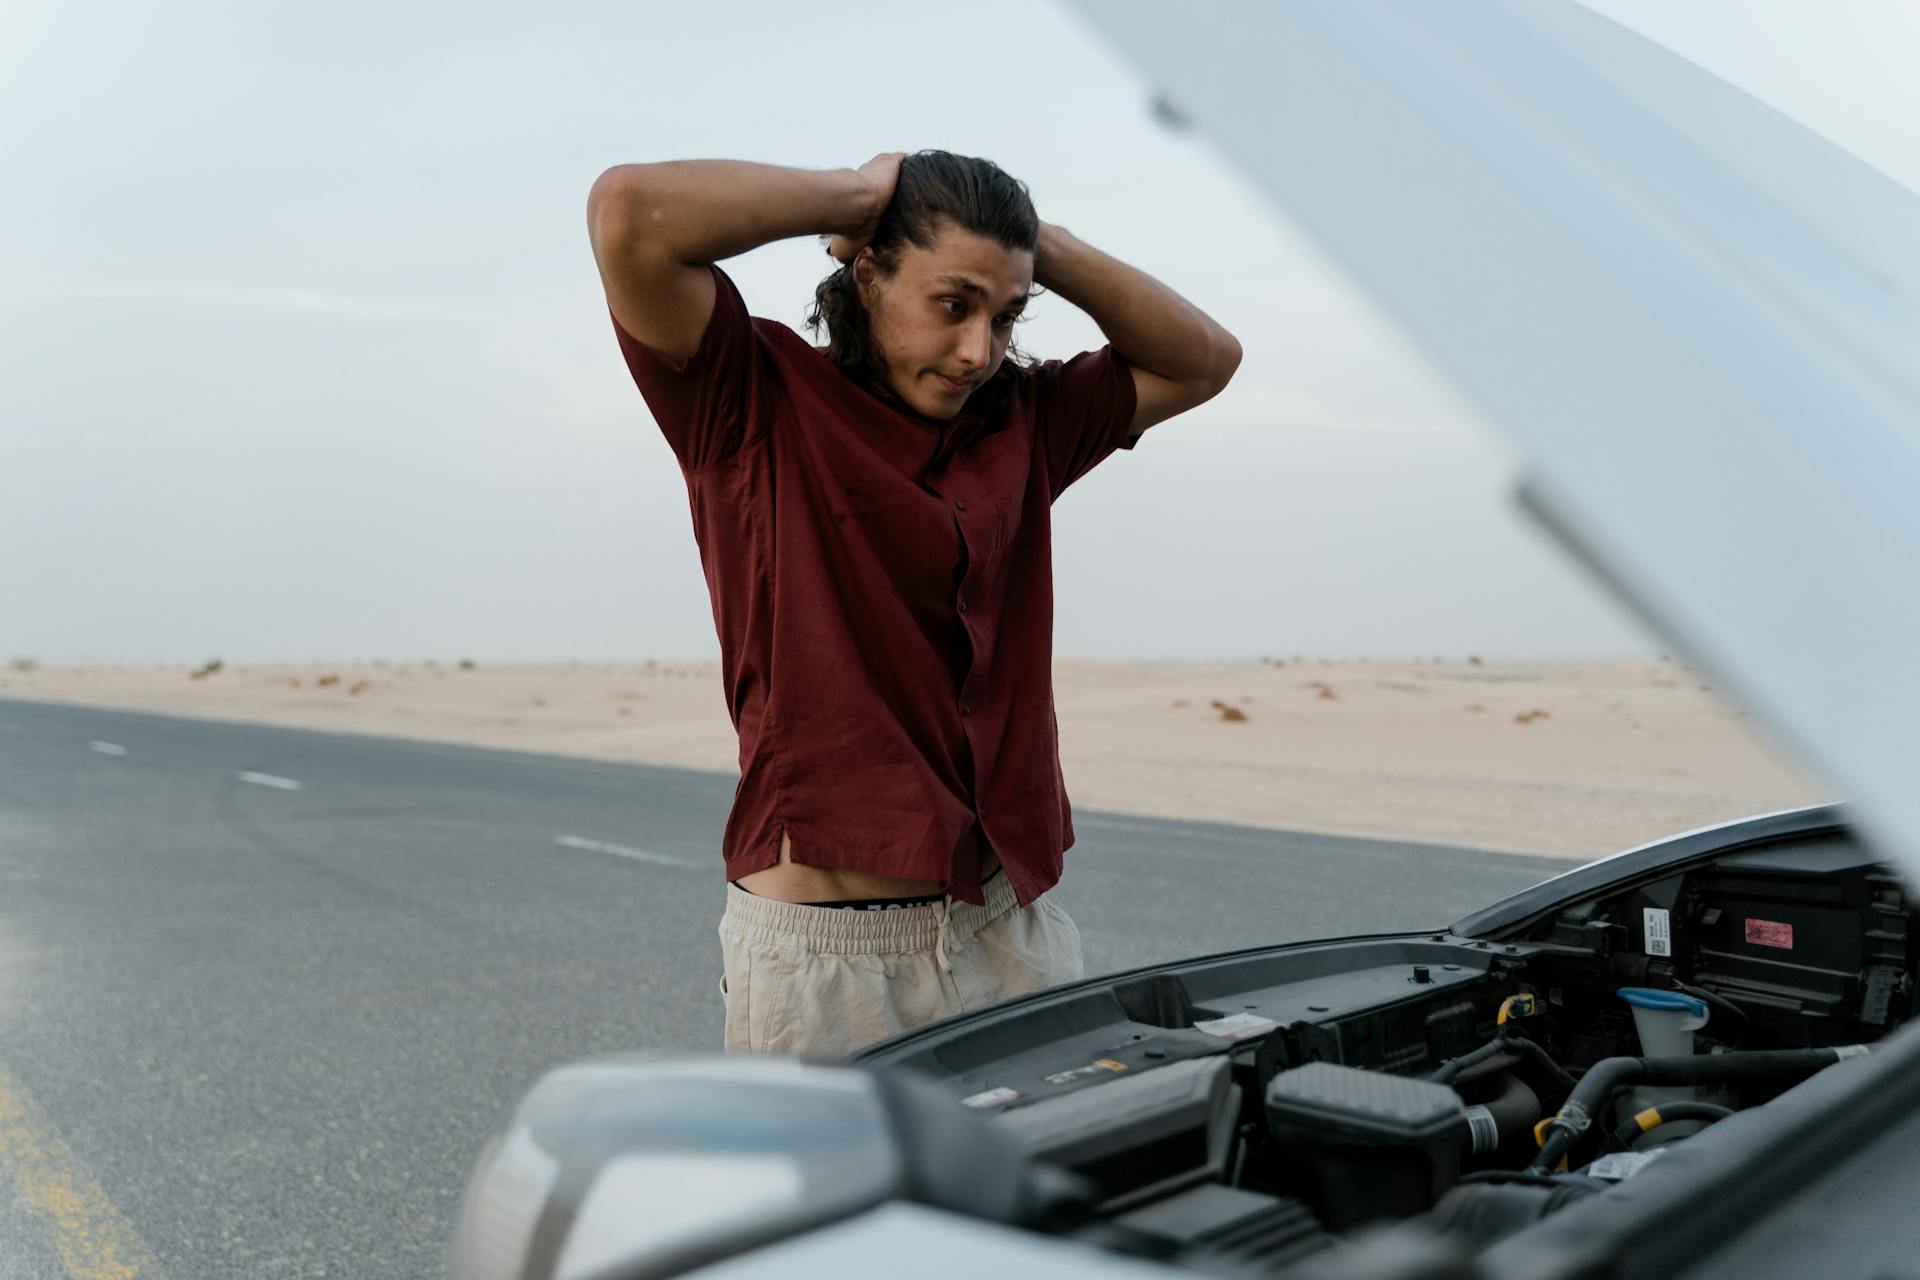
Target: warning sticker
[[1094, 1068], [991, 1098], [1770, 933], [1617, 1166], [1659, 934], [1236, 1027]]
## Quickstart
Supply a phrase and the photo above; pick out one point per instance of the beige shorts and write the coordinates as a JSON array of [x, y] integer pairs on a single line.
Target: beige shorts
[[824, 981]]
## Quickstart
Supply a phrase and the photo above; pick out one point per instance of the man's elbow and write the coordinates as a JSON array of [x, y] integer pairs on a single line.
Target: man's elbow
[[1226, 361], [609, 202]]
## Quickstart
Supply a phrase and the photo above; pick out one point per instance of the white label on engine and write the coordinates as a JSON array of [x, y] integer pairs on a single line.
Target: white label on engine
[[991, 1098], [1617, 1166], [1659, 938], [1237, 1026]]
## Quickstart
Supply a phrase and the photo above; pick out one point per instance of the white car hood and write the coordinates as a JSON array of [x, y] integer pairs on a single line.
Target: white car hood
[[1695, 318]]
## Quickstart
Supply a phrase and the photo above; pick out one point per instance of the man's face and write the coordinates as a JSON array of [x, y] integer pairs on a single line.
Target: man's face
[[942, 321]]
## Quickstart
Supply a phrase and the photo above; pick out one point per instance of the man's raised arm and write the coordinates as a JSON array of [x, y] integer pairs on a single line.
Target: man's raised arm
[[655, 227], [1181, 357]]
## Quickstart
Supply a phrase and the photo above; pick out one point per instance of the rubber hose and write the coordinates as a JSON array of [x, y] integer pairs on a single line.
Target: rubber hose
[[1610, 1074], [1454, 1066], [1668, 1112]]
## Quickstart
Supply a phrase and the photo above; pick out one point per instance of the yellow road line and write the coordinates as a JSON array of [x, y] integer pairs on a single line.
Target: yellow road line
[[93, 1240]]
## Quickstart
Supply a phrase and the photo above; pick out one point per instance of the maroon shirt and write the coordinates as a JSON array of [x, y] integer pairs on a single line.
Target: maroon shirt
[[882, 586]]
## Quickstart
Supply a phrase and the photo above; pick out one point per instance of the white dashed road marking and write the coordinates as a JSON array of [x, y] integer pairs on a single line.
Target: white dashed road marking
[[268, 780], [619, 851], [108, 748]]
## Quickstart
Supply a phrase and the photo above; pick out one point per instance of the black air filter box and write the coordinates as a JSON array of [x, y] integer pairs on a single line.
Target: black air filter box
[[1361, 1144]]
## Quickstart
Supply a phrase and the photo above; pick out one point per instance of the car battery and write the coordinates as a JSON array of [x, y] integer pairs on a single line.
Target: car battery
[[1359, 1144]]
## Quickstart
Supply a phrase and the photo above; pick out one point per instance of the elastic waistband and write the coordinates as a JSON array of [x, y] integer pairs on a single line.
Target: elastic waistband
[[831, 929]]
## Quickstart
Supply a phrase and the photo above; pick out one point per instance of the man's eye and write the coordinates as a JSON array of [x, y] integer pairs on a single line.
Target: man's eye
[[1004, 322], [954, 306]]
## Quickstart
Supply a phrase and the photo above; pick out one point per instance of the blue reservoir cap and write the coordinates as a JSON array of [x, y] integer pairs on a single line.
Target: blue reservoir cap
[[1651, 998]]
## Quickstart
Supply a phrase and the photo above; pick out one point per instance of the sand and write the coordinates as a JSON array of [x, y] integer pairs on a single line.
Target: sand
[[1566, 759]]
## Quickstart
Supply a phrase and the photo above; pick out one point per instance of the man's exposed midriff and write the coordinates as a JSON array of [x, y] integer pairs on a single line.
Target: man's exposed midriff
[[789, 881]]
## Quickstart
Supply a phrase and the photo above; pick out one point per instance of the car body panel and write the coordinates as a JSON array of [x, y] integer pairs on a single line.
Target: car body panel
[[902, 1239], [1650, 861]]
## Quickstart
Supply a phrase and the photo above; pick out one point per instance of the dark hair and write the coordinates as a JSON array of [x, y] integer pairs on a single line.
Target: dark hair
[[934, 186]]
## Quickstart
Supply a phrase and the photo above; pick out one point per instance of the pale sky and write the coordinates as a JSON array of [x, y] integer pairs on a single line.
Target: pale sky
[[305, 356]]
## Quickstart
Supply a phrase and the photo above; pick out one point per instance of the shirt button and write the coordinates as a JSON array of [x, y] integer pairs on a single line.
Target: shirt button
[[960, 503], [966, 708]]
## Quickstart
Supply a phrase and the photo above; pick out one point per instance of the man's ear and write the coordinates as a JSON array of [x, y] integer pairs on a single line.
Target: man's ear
[[866, 274]]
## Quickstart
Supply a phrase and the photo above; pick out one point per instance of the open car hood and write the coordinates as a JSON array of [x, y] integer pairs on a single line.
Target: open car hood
[[1694, 318]]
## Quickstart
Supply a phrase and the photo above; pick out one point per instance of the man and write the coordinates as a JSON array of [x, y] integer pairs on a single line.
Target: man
[[873, 520]]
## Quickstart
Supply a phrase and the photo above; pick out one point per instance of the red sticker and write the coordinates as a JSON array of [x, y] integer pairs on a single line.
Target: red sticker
[[1770, 933]]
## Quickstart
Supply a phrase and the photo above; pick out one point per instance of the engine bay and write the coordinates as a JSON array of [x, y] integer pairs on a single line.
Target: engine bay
[[1242, 1114]]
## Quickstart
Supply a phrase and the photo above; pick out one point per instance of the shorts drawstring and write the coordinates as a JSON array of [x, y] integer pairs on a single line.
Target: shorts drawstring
[[945, 914]]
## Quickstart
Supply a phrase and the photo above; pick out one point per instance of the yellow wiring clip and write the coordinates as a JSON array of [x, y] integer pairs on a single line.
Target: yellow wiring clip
[[1520, 1006], [1648, 1120]]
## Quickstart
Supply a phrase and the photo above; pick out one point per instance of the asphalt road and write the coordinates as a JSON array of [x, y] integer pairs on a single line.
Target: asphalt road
[[265, 993]]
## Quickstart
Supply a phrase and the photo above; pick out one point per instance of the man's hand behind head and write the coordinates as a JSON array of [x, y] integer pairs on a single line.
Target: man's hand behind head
[[882, 173]]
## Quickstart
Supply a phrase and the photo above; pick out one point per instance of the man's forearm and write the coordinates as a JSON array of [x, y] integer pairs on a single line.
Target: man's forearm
[[701, 211], [1149, 324]]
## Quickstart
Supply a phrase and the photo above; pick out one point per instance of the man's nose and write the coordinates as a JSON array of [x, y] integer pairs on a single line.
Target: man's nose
[[976, 344]]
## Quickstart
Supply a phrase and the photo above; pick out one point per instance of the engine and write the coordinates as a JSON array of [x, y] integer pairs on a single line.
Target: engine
[[1476, 1085]]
